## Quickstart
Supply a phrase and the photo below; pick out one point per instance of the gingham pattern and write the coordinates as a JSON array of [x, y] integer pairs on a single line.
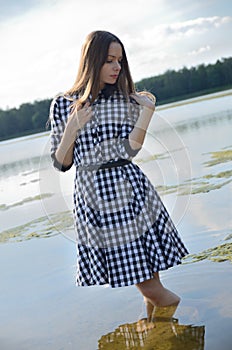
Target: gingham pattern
[[124, 232]]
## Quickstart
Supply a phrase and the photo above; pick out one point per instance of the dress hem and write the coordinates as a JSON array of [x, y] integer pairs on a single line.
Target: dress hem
[[129, 283]]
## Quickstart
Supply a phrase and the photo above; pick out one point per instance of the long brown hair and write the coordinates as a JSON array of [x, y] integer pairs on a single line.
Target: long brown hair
[[93, 55]]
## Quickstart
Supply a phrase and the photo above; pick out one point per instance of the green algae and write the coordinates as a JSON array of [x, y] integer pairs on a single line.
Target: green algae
[[158, 156], [52, 225], [43, 227], [206, 183], [219, 253], [167, 189], [152, 157], [194, 187], [26, 200], [219, 157], [223, 174], [207, 187]]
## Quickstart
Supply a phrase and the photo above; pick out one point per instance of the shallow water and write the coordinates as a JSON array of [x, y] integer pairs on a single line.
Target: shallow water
[[187, 155]]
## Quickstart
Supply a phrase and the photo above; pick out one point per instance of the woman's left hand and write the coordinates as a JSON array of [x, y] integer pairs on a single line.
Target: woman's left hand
[[144, 100]]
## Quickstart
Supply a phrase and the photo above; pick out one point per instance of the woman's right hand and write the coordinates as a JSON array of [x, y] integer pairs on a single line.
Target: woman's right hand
[[76, 121], [80, 117]]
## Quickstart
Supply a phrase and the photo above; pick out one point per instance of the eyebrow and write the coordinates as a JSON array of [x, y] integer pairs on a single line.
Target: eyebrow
[[114, 56]]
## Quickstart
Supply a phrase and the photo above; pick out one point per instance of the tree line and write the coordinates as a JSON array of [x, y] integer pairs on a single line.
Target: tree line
[[186, 83], [171, 86], [28, 119]]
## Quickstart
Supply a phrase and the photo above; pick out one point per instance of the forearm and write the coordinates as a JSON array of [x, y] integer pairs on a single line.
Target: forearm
[[137, 135], [64, 152], [63, 156]]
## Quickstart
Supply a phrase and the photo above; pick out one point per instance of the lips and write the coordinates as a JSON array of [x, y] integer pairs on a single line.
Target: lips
[[115, 76]]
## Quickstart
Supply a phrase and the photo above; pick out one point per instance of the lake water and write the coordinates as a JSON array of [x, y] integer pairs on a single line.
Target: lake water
[[187, 155]]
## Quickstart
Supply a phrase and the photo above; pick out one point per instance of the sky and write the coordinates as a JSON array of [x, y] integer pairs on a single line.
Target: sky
[[41, 40]]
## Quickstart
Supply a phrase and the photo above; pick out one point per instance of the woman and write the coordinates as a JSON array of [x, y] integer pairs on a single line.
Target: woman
[[124, 233]]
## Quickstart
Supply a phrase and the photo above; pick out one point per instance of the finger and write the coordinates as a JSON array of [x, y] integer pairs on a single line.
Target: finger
[[86, 105], [134, 96], [89, 110]]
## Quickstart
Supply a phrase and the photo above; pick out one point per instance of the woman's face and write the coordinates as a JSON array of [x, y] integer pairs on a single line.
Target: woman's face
[[111, 68]]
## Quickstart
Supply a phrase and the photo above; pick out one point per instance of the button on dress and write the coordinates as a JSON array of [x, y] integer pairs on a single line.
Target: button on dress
[[123, 230]]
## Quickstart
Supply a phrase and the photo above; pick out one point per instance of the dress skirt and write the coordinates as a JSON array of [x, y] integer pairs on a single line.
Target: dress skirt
[[125, 233]]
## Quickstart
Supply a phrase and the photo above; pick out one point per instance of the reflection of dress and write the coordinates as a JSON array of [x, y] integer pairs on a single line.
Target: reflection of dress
[[124, 232], [163, 334]]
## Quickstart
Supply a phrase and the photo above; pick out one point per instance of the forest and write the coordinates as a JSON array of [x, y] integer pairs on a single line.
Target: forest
[[171, 86]]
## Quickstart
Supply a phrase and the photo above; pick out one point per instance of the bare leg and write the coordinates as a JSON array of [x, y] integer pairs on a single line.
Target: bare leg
[[155, 293], [149, 305], [149, 308]]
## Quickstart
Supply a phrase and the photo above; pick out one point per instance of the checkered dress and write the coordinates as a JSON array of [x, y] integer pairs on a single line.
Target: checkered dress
[[124, 232]]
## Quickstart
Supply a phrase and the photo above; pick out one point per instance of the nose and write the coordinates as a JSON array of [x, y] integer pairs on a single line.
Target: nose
[[117, 66]]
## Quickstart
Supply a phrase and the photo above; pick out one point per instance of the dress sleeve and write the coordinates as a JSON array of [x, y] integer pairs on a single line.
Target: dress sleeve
[[58, 120], [124, 149]]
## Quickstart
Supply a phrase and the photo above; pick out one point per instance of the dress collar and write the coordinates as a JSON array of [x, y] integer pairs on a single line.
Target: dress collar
[[108, 90]]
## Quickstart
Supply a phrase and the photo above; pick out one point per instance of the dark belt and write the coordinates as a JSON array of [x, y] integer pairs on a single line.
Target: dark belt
[[112, 164]]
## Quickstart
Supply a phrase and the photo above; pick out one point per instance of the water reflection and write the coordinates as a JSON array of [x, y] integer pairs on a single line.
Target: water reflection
[[206, 120], [24, 166], [161, 333]]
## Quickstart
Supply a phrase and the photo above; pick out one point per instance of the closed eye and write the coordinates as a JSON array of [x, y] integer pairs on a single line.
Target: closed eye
[[112, 58], [110, 61]]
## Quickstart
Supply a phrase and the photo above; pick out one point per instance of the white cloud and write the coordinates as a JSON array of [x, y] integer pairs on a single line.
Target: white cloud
[[172, 46], [40, 49], [200, 50], [195, 26]]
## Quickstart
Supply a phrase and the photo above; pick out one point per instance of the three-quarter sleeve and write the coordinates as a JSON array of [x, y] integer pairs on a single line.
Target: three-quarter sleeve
[[58, 118], [124, 149]]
